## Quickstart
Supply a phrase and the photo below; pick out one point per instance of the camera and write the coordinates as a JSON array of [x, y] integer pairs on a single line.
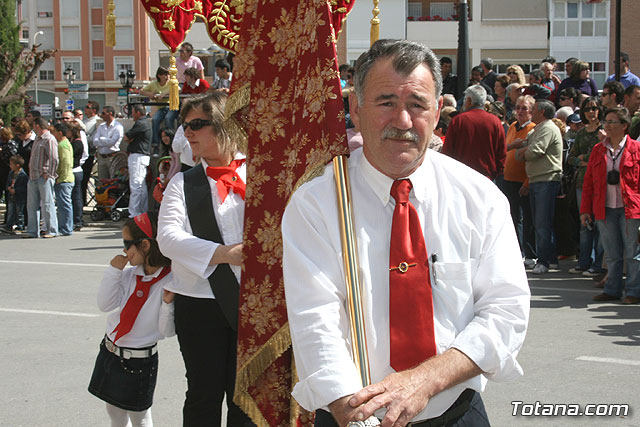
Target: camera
[[613, 177]]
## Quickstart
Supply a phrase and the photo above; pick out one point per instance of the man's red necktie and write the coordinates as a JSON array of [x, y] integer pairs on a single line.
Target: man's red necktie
[[410, 298], [130, 311], [227, 178]]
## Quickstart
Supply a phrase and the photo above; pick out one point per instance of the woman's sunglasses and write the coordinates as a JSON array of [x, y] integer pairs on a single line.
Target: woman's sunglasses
[[591, 108], [196, 124]]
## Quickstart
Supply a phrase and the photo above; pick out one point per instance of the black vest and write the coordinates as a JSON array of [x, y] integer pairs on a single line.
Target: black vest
[[223, 282]]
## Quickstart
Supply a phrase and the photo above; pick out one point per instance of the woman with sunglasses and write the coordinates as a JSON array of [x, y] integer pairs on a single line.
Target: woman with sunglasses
[[201, 225], [611, 196], [591, 113], [516, 75]]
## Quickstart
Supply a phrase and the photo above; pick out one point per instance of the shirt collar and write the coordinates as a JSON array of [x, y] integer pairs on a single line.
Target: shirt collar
[[518, 127], [381, 184], [607, 143], [147, 277]]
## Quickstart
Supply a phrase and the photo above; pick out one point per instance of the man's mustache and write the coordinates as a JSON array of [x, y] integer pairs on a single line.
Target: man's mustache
[[395, 133]]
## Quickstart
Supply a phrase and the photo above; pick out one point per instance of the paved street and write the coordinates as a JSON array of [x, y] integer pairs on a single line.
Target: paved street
[[576, 351]]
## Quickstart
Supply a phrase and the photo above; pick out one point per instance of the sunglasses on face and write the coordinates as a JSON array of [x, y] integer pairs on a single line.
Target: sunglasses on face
[[605, 94], [564, 98], [196, 124], [129, 243], [592, 108], [511, 72]]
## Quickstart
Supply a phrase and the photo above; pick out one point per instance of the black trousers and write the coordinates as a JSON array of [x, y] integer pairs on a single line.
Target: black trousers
[[208, 347], [87, 166], [476, 416]]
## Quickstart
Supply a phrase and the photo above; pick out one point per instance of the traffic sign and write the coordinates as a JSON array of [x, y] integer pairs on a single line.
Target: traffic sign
[[79, 87], [69, 102], [80, 95], [45, 109]]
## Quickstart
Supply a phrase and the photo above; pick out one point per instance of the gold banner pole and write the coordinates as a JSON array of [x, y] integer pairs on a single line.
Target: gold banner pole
[[375, 23], [352, 278]]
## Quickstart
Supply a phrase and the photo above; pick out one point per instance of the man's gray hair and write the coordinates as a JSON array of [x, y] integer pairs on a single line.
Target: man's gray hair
[[405, 55], [476, 94], [487, 62], [139, 109], [547, 108], [449, 100]]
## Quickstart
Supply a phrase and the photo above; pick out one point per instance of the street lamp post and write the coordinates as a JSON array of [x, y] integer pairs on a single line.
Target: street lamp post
[[35, 78], [69, 77], [126, 80]]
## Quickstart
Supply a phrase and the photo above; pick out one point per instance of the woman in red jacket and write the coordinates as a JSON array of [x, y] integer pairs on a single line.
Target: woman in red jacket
[[611, 195]]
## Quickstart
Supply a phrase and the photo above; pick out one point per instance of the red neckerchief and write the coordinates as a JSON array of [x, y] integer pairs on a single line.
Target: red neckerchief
[[227, 178]]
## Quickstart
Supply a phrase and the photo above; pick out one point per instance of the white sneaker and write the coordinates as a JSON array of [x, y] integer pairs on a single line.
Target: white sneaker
[[540, 269], [553, 266], [529, 263]]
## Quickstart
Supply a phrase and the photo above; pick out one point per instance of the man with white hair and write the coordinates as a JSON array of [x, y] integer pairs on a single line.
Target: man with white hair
[[476, 137]]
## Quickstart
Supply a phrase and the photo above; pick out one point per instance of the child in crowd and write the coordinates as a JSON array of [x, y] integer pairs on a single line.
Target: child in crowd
[[126, 368], [16, 194]]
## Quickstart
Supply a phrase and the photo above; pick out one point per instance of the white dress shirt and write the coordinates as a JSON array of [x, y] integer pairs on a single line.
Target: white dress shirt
[[91, 127], [480, 294], [150, 325], [189, 254], [108, 137], [180, 145]]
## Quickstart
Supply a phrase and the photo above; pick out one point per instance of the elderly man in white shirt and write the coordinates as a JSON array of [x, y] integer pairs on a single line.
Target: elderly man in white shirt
[[107, 141], [472, 296]]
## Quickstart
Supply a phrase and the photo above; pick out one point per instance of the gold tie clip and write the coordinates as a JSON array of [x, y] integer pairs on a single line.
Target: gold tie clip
[[403, 267]]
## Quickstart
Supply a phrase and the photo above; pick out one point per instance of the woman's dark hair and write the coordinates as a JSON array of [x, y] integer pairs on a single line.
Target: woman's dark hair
[[166, 150], [572, 93], [74, 130], [154, 257], [161, 71], [591, 100], [62, 127], [578, 68]]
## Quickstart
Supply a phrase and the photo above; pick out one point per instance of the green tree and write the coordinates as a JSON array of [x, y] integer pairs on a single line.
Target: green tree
[[18, 64]]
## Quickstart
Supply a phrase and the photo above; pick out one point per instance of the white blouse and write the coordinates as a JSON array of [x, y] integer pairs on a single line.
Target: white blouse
[[191, 255]]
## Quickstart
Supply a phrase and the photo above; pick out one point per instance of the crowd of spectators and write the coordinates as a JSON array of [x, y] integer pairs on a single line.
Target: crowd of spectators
[[565, 158]]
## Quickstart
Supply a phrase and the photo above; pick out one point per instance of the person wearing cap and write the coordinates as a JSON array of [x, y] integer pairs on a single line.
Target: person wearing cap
[[574, 123]]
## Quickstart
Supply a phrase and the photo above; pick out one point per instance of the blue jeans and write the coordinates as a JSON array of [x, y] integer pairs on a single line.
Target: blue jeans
[[521, 216], [620, 240], [15, 214], [589, 242], [65, 209], [169, 118], [76, 198], [543, 204], [41, 190]]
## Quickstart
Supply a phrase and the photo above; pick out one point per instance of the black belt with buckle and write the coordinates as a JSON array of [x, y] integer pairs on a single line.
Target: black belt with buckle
[[455, 411], [129, 353]]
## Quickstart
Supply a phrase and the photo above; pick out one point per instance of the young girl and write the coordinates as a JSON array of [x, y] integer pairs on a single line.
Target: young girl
[[126, 369]]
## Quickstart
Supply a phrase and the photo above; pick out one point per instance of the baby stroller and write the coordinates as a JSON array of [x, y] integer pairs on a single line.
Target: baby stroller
[[112, 195]]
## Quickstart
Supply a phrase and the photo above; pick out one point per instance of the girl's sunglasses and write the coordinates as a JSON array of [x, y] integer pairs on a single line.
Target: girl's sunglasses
[[196, 124], [129, 243]]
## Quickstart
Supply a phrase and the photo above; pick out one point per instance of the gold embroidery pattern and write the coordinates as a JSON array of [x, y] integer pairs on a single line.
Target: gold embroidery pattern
[[224, 22]]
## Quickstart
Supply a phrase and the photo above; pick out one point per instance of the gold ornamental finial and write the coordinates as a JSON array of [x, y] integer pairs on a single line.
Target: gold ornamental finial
[[375, 22]]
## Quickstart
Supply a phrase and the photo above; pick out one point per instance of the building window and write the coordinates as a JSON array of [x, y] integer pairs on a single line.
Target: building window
[[96, 4], [444, 10], [71, 38], [25, 33], [579, 19], [124, 37], [98, 65], [70, 8], [47, 75], [122, 64], [415, 9]]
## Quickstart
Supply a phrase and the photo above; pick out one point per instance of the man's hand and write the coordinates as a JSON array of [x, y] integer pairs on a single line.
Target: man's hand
[[342, 411], [585, 219], [168, 296], [403, 394], [119, 262], [517, 143], [524, 191]]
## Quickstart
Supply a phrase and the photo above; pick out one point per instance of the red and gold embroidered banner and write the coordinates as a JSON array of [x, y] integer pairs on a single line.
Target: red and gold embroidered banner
[[286, 97], [173, 18]]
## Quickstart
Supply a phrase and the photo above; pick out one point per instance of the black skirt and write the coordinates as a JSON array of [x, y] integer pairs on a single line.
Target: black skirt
[[126, 383]]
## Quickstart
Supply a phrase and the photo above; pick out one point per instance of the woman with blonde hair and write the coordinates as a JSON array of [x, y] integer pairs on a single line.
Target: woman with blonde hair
[[516, 74], [200, 229]]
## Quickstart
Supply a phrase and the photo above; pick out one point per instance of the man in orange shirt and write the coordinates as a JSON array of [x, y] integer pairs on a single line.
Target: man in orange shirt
[[515, 182]]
